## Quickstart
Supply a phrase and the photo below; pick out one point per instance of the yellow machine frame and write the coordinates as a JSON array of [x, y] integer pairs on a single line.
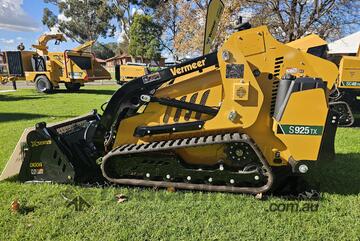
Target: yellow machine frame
[[245, 103]]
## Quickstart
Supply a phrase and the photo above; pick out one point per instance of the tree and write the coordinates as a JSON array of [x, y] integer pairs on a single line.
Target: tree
[[82, 20], [181, 21], [123, 11], [189, 37], [167, 15], [105, 51], [123, 47], [184, 25], [145, 37], [291, 19], [232, 11], [184, 21]]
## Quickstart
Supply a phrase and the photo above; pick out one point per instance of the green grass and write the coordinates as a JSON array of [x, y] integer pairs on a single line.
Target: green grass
[[156, 214]]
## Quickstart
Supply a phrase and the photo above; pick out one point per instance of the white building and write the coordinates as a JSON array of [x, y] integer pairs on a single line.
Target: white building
[[348, 45]]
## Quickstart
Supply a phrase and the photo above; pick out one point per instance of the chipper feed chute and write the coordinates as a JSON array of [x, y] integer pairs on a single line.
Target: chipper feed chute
[[232, 121]]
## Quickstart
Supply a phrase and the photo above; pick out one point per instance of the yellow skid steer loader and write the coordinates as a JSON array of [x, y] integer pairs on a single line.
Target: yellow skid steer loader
[[234, 120]]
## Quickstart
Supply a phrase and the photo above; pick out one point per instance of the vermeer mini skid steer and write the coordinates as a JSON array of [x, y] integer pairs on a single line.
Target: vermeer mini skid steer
[[235, 120]]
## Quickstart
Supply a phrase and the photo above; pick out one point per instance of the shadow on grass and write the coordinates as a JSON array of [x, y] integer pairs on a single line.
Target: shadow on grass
[[24, 210], [7, 117], [356, 122], [340, 176], [356, 114], [18, 98], [85, 91]]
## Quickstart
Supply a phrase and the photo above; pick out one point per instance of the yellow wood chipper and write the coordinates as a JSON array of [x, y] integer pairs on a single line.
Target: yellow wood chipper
[[126, 72], [48, 69]]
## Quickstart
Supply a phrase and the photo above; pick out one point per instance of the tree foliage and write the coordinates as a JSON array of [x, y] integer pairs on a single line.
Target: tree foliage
[[184, 25], [81, 21], [123, 11], [105, 51], [123, 47], [145, 37], [291, 19], [167, 15], [184, 21], [108, 50]]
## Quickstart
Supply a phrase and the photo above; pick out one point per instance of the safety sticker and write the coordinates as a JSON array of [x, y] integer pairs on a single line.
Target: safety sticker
[[40, 143], [151, 77], [300, 130]]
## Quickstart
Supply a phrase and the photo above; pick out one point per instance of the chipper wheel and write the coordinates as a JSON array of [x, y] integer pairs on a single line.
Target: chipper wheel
[[72, 86], [43, 85]]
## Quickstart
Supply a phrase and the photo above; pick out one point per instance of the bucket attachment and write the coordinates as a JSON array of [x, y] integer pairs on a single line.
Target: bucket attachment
[[13, 166], [56, 153]]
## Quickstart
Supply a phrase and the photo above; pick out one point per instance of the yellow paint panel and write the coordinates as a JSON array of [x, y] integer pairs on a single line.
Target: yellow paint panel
[[257, 45], [308, 108], [307, 42]]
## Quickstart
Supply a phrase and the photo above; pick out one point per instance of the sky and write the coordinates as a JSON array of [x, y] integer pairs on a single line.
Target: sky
[[20, 21]]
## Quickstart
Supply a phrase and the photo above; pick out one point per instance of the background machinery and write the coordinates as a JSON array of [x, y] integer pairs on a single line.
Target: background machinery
[[349, 81], [130, 71], [48, 69], [347, 87], [240, 119]]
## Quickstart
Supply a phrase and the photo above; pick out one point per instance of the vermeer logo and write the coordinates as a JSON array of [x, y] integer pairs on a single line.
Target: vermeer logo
[[189, 67], [40, 143]]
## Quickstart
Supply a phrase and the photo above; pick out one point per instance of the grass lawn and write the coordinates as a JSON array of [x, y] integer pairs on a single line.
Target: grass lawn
[[157, 214]]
